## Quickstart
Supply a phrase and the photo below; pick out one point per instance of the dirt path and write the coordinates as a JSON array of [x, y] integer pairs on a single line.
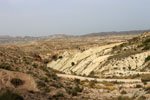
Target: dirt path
[[99, 80]]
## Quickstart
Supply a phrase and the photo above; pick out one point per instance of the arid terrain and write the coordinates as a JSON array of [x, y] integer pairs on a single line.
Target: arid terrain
[[112, 67]]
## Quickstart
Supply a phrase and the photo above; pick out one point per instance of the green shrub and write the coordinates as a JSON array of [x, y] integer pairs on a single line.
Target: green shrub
[[92, 83], [115, 47], [123, 92], [35, 65], [46, 61], [142, 98], [52, 75], [45, 79], [92, 74], [147, 58], [147, 41], [16, 82], [139, 86], [72, 63], [145, 78], [8, 95], [54, 57], [41, 84], [5, 66], [77, 81], [146, 48], [74, 90], [60, 57], [123, 98]]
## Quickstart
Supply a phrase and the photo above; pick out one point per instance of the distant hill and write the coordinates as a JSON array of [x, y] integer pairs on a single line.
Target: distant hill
[[115, 33], [10, 39]]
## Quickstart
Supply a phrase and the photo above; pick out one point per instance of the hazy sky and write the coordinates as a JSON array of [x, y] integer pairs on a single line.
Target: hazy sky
[[45, 17]]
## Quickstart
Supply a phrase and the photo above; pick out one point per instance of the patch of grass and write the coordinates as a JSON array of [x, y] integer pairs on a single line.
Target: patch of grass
[[8, 95], [5, 66]]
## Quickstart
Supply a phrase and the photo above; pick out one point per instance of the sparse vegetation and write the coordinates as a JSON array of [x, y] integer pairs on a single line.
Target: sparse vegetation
[[74, 90], [41, 84], [5, 66], [92, 83], [146, 42], [147, 58], [22, 60], [139, 86], [146, 48], [142, 98], [123, 92], [8, 95], [145, 78], [123, 98]]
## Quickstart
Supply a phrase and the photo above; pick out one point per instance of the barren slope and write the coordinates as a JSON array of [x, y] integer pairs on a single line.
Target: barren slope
[[121, 59]]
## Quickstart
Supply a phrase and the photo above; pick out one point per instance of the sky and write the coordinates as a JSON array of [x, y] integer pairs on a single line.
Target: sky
[[46, 17]]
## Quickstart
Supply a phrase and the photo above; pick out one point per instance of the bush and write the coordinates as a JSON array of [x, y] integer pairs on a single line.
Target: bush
[[139, 86], [142, 98], [52, 75], [41, 84], [92, 74], [72, 63], [123, 98], [147, 58], [74, 90], [8, 95], [17, 82], [60, 57], [123, 92], [54, 57], [35, 65], [146, 48], [77, 81], [5, 66], [46, 61], [115, 47], [146, 41], [145, 78], [92, 83], [45, 79]]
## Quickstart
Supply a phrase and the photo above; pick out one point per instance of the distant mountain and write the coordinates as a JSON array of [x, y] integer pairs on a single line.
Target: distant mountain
[[115, 33], [10, 39]]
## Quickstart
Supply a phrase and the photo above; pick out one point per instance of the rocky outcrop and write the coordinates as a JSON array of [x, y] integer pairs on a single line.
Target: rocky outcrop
[[17, 80], [126, 66], [82, 63], [96, 60]]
